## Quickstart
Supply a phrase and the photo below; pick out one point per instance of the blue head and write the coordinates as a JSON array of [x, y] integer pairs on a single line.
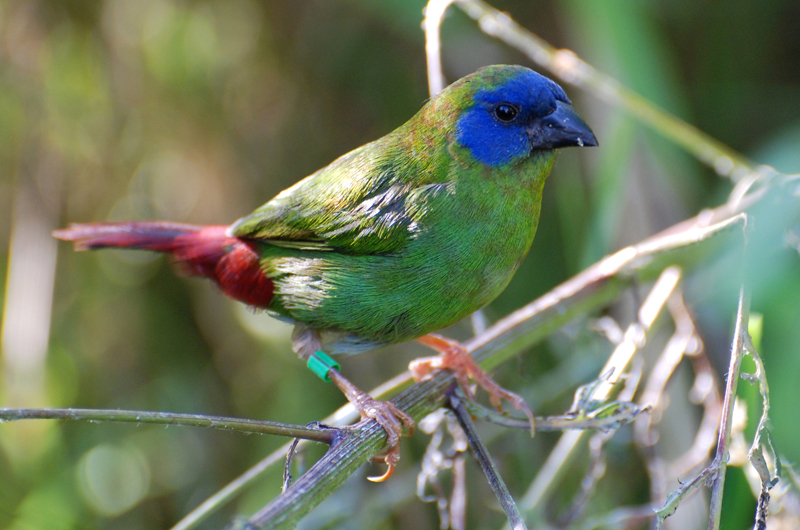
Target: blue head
[[515, 111]]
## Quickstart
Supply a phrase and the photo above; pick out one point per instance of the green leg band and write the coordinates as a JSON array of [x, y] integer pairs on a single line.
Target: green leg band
[[320, 363]]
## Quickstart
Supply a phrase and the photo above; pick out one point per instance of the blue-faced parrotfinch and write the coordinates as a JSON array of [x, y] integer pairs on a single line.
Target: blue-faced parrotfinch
[[394, 240]]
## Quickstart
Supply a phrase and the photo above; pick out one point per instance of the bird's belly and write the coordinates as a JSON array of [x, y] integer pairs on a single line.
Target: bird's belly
[[364, 301]]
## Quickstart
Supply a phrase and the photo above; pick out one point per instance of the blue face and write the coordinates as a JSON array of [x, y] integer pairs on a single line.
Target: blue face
[[497, 128]]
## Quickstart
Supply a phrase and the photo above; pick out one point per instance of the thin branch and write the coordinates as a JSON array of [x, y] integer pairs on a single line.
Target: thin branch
[[458, 499], [724, 437], [287, 468], [704, 391], [714, 474], [318, 434], [687, 488], [452, 508], [762, 437], [607, 417], [484, 459], [602, 282], [434, 13]]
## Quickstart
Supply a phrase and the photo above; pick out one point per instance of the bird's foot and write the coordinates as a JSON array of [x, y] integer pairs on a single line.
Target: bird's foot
[[453, 356], [393, 420]]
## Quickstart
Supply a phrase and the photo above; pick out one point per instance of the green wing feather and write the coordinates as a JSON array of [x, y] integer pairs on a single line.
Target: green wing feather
[[362, 203]]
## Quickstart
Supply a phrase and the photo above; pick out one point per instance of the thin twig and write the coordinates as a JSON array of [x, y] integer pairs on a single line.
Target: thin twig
[[762, 437], [486, 463], [458, 499], [434, 13], [688, 488], [607, 417], [714, 474], [602, 282], [597, 465], [452, 508], [317, 434], [704, 391], [724, 438], [287, 468]]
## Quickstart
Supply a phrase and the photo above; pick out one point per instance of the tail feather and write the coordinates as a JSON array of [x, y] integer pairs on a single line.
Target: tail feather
[[207, 251], [148, 235]]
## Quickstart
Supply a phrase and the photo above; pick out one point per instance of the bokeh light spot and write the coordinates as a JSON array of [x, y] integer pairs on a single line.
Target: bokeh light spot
[[113, 479]]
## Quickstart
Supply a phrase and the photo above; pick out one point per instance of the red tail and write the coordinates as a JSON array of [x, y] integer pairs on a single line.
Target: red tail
[[206, 251]]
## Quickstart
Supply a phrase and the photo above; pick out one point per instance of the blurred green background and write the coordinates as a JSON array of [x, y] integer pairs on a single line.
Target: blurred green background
[[199, 111]]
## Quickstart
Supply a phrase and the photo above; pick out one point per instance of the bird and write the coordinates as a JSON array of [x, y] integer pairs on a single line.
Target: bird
[[394, 240]]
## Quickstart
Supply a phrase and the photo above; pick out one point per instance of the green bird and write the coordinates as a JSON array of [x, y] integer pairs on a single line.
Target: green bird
[[392, 241]]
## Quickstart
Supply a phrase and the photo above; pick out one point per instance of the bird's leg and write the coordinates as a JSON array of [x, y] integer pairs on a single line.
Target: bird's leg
[[453, 356], [306, 343], [386, 413]]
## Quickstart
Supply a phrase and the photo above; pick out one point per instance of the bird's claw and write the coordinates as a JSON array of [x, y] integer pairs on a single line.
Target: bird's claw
[[394, 421], [388, 415], [390, 458], [453, 356]]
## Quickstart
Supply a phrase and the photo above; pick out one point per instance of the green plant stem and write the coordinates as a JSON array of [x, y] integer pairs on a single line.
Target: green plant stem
[[687, 488], [762, 439], [170, 418], [434, 12]]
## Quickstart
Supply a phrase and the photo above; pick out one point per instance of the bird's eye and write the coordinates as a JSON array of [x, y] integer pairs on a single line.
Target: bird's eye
[[505, 112]]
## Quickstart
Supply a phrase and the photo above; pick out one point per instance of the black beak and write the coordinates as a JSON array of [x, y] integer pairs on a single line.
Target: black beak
[[561, 128]]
